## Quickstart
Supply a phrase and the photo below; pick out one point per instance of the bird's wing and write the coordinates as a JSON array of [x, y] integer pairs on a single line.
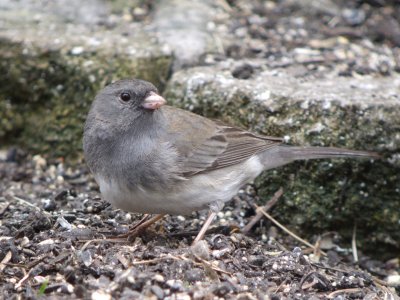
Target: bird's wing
[[205, 145]]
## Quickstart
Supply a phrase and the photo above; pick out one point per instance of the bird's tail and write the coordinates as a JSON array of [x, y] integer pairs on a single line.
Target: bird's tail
[[283, 154], [300, 153]]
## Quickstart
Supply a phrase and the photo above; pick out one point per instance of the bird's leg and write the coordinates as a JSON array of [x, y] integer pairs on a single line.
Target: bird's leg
[[138, 228], [205, 226], [142, 220]]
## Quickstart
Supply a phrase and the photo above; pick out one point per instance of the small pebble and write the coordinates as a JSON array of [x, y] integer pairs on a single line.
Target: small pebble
[[257, 260], [297, 252], [86, 257], [157, 291], [247, 296], [393, 280], [223, 289], [61, 195], [220, 253], [49, 205], [158, 278], [175, 285], [52, 172], [128, 217], [60, 179], [194, 275], [64, 223], [24, 241], [244, 71], [47, 242], [70, 288], [201, 250], [182, 296], [39, 279], [77, 50], [70, 217], [101, 295], [39, 162], [12, 280]]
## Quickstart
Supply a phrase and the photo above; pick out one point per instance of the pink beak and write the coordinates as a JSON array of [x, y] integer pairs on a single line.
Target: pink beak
[[153, 101]]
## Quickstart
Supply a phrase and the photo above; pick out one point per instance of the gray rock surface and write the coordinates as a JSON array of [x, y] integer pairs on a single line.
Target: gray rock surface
[[75, 28], [182, 25], [55, 56], [360, 113]]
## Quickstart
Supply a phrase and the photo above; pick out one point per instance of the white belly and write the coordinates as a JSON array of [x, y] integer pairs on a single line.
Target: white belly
[[196, 193]]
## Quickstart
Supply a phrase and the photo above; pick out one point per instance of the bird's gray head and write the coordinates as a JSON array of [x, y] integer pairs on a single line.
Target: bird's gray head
[[122, 102], [121, 113]]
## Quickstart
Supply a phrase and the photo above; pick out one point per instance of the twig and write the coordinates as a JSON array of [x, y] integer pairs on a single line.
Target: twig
[[181, 257], [150, 261], [31, 266], [335, 293], [380, 281], [304, 279], [4, 207], [225, 5], [24, 202], [280, 246], [210, 265], [281, 285], [287, 230], [122, 260], [317, 250], [389, 295], [86, 245], [354, 243], [377, 281], [190, 233], [318, 277], [329, 268], [5, 260], [266, 207], [37, 261], [309, 285], [21, 282], [154, 260]]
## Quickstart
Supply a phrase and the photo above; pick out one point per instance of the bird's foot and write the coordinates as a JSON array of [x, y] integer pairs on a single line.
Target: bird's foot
[[138, 228]]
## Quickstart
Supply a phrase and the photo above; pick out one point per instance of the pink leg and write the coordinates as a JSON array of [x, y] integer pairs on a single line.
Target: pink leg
[[142, 225], [205, 226]]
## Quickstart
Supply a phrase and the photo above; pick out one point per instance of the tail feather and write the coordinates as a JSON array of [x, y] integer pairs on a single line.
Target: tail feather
[[299, 153], [282, 155]]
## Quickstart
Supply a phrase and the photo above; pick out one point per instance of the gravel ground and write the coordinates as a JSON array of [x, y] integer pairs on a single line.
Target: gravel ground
[[315, 38], [54, 225]]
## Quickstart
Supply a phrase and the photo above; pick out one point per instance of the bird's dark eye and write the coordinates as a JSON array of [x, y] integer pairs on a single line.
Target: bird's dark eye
[[125, 96]]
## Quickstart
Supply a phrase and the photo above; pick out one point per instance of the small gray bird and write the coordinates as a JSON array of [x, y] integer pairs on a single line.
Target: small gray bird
[[148, 157]]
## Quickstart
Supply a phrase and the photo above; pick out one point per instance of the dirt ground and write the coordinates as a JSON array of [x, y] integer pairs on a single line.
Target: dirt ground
[[54, 225]]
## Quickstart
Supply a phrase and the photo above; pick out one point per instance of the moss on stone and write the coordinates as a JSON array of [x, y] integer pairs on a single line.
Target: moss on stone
[[319, 196], [45, 95]]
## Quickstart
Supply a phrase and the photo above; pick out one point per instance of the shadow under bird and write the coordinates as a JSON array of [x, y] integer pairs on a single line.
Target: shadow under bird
[[151, 158]]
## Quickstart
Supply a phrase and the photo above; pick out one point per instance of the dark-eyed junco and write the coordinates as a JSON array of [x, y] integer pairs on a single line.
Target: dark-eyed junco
[[148, 157]]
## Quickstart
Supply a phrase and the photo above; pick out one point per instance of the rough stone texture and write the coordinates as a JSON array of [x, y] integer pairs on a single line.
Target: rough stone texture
[[189, 40], [55, 57], [358, 113]]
